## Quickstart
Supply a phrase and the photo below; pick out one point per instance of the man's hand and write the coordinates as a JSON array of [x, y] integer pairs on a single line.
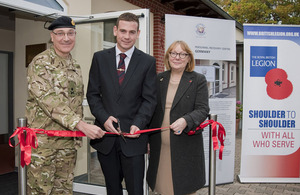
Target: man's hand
[[91, 131], [133, 129], [108, 125]]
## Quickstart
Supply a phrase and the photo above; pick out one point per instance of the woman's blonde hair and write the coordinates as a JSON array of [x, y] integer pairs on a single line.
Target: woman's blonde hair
[[191, 63]]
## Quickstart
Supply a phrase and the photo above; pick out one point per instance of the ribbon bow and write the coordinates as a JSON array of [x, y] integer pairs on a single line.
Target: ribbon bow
[[31, 140], [26, 144], [221, 134]]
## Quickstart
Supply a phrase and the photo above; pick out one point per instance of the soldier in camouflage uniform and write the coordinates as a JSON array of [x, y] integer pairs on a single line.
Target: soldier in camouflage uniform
[[55, 91]]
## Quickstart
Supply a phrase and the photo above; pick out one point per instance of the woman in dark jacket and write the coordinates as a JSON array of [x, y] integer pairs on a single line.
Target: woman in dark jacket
[[176, 164]]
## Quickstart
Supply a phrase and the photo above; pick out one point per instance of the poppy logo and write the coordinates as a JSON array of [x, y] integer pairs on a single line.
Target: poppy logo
[[278, 85]]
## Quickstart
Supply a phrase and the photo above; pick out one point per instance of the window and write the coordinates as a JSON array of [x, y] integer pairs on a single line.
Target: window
[[108, 30]]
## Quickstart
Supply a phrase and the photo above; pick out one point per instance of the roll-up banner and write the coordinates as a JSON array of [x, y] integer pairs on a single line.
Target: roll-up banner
[[271, 103]]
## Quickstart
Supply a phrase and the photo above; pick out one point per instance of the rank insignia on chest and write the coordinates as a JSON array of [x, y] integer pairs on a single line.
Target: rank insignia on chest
[[72, 89]]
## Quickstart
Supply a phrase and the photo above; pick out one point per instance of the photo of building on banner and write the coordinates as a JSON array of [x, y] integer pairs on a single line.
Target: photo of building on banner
[[215, 57], [271, 107]]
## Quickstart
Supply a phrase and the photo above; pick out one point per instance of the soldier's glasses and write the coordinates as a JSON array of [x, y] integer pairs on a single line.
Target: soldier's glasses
[[181, 55], [70, 34]]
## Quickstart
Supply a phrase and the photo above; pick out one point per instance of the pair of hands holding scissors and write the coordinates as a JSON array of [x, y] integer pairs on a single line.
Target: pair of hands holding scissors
[[109, 126]]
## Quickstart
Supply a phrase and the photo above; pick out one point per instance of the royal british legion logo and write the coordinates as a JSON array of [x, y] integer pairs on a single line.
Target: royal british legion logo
[[262, 59], [200, 29]]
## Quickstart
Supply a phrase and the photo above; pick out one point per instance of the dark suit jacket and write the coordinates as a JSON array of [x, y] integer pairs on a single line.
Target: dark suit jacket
[[187, 152], [133, 102]]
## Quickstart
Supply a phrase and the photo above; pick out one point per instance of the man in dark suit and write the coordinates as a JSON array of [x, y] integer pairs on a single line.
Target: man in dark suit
[[129, 99]]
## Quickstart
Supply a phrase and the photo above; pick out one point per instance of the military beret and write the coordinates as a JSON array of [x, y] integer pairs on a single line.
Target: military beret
[[62, 22]]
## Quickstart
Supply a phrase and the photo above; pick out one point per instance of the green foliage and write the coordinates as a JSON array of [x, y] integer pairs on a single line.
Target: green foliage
[[262, 11], [239, 110]]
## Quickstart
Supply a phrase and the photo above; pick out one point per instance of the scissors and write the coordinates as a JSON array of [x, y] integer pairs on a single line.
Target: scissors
[[120, 131]]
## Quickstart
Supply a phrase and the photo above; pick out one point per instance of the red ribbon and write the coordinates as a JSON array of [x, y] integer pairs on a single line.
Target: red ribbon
[[220, 132], [31, 140]]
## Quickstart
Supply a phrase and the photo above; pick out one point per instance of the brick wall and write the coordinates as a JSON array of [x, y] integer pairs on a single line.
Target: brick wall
[[159, 10]]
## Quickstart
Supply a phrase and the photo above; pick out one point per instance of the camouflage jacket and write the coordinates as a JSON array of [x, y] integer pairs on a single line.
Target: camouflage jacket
[[55, 95]]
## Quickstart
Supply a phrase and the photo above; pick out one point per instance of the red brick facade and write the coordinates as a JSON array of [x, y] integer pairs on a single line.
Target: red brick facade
[[159, 10]]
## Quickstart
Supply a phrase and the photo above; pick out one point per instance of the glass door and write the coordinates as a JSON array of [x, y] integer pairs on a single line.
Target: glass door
[[95, 33]]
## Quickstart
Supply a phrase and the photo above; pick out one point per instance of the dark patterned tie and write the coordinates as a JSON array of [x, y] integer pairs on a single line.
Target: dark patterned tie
[[121, 68]]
